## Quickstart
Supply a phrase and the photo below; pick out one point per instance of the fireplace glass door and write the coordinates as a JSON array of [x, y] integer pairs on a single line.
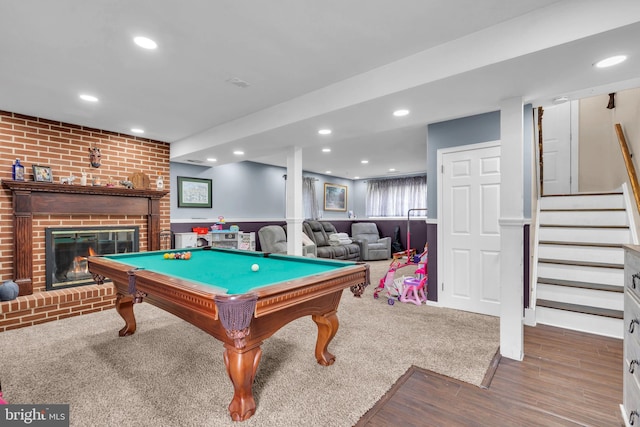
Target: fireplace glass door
[[67, 251]]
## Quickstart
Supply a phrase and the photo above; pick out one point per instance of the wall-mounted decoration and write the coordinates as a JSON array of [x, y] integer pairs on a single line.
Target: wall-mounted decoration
[[194, 192], [42, 174], [94, 157], [335, 197]]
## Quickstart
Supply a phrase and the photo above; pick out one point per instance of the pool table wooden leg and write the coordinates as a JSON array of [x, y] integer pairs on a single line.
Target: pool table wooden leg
[[327, 328], [241, 367], [124, 307]]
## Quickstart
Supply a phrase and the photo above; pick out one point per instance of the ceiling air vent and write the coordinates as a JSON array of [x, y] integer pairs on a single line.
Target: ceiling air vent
[[238, 82]]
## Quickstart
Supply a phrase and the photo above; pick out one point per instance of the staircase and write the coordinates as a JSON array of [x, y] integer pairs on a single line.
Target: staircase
[[579, 270]]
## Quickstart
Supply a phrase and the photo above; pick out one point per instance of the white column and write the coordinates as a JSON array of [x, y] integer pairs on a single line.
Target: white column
[[511, 229], [295, 214]]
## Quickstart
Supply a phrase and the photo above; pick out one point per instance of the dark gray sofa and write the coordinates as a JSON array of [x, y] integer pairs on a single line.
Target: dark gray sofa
[[319, 232]]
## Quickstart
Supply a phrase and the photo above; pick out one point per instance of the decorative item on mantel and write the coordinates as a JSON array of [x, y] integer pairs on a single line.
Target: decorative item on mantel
[[140, 180], [68, 180], [18, 171], [94, 157], [159, 183]]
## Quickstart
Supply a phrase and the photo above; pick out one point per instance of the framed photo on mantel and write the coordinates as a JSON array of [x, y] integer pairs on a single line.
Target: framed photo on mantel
[[42, 174]]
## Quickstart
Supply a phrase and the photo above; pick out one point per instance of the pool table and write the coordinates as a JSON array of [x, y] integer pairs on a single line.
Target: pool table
[[218, 291]]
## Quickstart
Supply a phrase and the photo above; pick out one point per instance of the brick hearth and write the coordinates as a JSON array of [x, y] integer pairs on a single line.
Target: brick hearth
[[42, 307]]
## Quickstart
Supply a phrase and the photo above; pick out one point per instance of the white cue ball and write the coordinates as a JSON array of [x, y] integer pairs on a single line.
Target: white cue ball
[[255, 267]]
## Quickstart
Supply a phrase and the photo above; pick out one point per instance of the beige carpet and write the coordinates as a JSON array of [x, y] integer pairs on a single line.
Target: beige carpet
[[172, 374]]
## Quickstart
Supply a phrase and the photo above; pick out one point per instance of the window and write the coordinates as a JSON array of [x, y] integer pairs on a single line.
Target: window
[[395, 196]]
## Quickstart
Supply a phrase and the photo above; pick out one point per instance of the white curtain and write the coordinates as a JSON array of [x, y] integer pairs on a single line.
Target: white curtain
[[395, 196], [309, 199]]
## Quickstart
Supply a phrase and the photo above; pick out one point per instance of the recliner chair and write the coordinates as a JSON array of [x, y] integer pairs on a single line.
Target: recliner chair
[[273, 239], [372, 246]]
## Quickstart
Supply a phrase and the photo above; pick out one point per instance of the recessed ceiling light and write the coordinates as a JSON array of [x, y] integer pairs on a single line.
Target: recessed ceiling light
[[238, 153], [611, 61], [392, 170], [560, 99], [326, 150], [137, 130], [211, 159], [145, 42], [327, 172], [89, 98], [364, 162], [400, 113], [356, 177], [324, 131]]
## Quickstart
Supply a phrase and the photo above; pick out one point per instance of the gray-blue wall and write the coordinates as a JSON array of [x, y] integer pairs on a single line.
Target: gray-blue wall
[[454, 133], [249, 190], [473, 130]]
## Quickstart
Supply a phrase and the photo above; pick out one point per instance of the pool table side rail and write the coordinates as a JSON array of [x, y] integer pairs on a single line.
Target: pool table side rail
[[293, 292], [194, 296], [200, 298]]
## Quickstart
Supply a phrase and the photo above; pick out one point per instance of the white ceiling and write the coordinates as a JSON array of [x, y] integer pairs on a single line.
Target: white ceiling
[[345, 65]]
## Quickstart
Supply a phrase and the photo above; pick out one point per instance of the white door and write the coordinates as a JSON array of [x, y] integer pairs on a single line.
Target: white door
[[556, 149], [470, 209]]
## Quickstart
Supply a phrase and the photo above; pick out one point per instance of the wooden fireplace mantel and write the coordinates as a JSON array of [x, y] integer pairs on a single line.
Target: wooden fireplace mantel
[[42, 198]]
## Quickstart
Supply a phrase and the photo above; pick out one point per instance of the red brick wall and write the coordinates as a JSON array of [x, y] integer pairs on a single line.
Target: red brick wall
[[65, 148]]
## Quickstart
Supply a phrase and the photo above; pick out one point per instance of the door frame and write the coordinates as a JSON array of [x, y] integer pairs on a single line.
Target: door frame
[[574, 145], [440, 233]]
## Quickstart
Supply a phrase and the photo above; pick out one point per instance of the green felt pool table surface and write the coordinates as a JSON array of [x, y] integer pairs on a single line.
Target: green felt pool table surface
[[230, 270]]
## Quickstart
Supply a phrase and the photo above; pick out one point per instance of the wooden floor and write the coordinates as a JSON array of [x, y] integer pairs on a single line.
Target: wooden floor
[[567, 378]]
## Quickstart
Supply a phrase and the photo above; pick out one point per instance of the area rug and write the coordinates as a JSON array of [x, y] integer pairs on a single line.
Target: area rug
[[170, 373]]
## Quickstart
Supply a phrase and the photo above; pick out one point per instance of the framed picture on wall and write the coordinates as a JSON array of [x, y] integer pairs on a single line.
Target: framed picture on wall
[[42, 174], [335, 197], [194, 192]]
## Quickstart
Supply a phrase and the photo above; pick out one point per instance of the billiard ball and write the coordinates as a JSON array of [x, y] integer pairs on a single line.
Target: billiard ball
[[255, 267]]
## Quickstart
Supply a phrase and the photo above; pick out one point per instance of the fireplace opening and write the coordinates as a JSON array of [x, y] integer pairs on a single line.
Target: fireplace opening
[[67, 250]]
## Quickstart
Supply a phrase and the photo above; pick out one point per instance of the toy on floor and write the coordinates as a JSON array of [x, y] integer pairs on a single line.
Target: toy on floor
[[388, 282], [408, 288], [414, 290]]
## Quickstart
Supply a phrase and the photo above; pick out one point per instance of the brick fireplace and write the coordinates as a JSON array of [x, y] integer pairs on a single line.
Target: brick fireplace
[[38, 206], [65, 148]]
